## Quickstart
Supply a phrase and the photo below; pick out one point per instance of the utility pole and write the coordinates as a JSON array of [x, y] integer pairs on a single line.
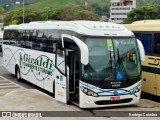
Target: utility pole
[[23, 11], [47, 12]]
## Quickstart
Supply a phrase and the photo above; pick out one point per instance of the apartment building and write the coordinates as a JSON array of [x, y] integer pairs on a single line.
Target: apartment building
[[120, 8]]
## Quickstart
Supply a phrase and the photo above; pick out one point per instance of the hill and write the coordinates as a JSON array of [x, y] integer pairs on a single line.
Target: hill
[[101, 7]]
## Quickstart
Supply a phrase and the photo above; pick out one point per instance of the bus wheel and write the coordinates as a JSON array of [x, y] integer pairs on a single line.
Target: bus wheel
[[18, 75]]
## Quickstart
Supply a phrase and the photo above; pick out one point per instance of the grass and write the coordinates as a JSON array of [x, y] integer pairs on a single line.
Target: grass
[[40, 5]]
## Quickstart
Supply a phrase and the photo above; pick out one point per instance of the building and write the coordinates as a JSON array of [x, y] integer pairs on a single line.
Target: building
[[120, 8]]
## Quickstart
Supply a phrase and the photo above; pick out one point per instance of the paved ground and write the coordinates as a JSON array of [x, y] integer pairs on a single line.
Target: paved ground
[[7, 86], [18, 97]]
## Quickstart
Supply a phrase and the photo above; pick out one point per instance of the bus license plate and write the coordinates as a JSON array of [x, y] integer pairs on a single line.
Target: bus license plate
[[114, 98]]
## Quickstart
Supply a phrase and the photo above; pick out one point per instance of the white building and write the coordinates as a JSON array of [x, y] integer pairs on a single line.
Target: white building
[[120, 8]]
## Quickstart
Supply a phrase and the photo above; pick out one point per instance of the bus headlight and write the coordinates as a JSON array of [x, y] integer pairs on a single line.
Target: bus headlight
[[88, 92]]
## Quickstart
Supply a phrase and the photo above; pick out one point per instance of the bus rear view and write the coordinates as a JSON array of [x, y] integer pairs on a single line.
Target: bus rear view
[[92, 64]]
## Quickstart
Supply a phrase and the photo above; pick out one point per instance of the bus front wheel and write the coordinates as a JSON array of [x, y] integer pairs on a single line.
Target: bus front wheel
[[18, 74]]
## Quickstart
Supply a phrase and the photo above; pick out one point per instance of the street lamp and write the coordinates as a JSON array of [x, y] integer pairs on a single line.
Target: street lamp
[[23, 11], [47, 12]]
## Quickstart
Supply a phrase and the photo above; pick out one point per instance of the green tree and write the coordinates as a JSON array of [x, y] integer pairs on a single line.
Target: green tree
[[86, 15], [16, 16], [1, 9], [51, 14], [143, 13], [76, 12]]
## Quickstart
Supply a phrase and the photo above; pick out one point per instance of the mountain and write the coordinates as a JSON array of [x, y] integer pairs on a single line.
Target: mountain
[[101, 7], [34, 3]]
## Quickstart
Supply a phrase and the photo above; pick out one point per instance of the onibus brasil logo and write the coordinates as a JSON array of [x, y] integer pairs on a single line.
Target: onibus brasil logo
[[42, 63]]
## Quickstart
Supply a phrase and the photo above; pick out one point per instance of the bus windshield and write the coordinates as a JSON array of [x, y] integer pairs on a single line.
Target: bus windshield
[[112, 59]]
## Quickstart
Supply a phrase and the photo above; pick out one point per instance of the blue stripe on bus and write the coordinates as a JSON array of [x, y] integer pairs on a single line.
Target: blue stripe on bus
[[111, 91], [13, 54], [48, 74]]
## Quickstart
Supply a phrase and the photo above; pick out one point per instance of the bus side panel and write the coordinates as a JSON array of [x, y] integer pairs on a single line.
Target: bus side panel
[[10, 57], [23, 60], [149, 82], [42, 69], [50, 76], [158, 84], [32, 73], [37, 75], [36, 67]]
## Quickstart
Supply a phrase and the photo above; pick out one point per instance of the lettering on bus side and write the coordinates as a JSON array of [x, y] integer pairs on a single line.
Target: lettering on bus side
[[39, 64], [154, 61]]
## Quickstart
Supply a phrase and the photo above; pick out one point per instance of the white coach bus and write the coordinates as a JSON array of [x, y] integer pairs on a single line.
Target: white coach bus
[[92, 64]]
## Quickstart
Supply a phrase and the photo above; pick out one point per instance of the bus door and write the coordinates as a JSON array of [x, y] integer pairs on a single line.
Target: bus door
[[76, 54], [60, 84], [71, 64]]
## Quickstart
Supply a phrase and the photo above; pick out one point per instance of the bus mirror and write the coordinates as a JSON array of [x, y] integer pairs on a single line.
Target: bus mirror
[[83, 49], [84, 53], [141, 50]]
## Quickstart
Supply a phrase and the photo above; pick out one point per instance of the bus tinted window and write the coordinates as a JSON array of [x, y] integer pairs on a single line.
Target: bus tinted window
[[10, 37], [146, 40], [42, 40], [157, 43], [138, 36], [45, 40], [6, 39]]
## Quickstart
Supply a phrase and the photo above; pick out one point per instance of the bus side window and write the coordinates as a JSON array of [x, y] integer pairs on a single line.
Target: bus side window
[[138, 36], [33, 38], [53, 40], [147, 42], [6, 37], [157, 43], [13, 38], [19, 37]]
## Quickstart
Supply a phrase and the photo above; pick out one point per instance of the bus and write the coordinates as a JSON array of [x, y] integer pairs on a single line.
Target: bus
[[148, 31], [89, 63]]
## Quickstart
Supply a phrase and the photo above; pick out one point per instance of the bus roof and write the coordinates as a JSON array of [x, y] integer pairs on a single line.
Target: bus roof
[[144, 25], [147, 22], [93, 28]]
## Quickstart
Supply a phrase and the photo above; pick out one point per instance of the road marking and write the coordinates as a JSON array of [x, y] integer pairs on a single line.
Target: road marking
[[7, 84]]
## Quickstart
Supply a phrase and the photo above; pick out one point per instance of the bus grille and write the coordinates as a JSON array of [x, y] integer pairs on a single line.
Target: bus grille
[[106, 102]]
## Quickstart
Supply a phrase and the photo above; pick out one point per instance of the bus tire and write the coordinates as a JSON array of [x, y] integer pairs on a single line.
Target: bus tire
[[18, 74]]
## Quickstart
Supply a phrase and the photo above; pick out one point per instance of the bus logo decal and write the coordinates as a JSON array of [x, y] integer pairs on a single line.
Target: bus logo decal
[[41, 64], [155, 61]]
